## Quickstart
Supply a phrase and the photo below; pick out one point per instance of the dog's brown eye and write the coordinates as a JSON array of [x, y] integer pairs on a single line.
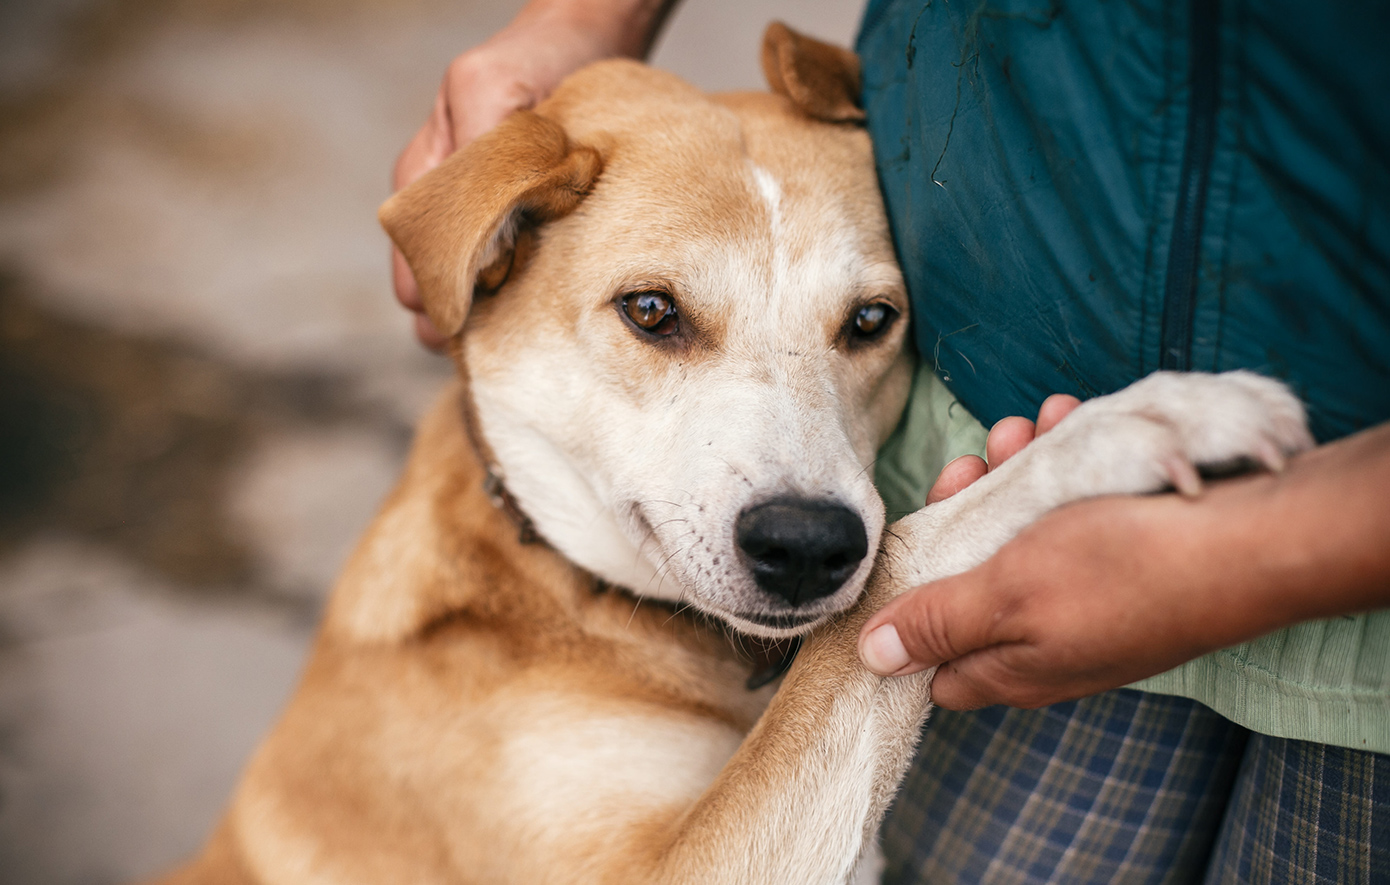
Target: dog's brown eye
[[871, 320], [652, 312]]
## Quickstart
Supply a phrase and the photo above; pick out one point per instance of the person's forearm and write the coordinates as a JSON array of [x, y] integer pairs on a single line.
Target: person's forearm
[[1313, 541], [628, 27]]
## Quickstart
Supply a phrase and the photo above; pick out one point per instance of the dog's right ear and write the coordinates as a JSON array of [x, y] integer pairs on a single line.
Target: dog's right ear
[[457, 224]]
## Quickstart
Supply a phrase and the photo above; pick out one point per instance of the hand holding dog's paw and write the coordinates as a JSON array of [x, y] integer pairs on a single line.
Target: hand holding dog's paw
[[1085, 600], [1106, 592]]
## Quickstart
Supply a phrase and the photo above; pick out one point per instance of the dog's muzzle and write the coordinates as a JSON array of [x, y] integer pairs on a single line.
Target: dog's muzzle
[[801, 550]]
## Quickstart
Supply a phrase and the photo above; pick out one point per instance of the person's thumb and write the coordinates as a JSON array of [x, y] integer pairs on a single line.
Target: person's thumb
[[926, 627]]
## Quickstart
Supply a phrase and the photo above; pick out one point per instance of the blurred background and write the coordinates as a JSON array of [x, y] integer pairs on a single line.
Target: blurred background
[[206, 386]]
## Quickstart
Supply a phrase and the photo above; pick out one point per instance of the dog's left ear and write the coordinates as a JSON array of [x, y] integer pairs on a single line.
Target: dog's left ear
[[820, 79], [457, 224]]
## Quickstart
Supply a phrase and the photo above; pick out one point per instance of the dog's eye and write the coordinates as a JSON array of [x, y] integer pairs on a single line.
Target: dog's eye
[[652, 312], [871, 320]]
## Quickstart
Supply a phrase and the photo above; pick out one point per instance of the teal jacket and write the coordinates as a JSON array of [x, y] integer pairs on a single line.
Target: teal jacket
[[1084, 193]]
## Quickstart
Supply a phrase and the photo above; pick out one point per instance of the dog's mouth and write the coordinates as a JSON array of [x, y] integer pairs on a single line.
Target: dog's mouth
[[778, 622], [773, 589], [774, 626]]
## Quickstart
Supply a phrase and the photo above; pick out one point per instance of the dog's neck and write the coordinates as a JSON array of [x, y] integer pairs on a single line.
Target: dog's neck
[[439, 548]]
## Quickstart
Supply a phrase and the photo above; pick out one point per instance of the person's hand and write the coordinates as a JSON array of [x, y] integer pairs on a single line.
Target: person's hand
[[516, 68], [1104, 592], [1093, 596], [1021, 628]]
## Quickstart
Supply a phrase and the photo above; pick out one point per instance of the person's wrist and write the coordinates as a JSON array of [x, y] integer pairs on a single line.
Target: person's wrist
[[1315, 534], [1232, 561], [605, 28]]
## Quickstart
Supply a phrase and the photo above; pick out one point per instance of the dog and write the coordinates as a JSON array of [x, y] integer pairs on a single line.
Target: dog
[[680, 336]]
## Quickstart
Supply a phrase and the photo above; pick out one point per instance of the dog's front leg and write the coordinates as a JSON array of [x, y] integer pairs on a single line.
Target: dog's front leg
[[806, 789], [1152, 435], [810, 783]]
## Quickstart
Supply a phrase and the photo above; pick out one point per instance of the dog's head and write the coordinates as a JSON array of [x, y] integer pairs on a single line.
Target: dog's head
[[683, 327]]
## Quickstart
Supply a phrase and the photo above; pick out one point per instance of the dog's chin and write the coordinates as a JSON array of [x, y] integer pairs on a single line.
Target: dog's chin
[[778, 626]]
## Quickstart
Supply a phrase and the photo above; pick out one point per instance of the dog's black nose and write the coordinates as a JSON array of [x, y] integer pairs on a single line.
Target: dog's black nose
[[801, 550]]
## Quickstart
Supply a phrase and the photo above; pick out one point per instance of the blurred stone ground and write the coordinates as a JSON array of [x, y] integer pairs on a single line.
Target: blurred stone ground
[[205, 385]]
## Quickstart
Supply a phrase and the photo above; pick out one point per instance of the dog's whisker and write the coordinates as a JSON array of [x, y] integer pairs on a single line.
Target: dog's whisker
[[660, 501], [661, 569], [660, 572], [868, 467], [665, 522], [682, 606], [737, 471]]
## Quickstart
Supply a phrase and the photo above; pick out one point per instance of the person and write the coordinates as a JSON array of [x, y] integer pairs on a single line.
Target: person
[[1150, 689]]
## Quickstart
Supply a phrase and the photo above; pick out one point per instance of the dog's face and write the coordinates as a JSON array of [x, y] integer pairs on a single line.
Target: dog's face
[[698, 346]]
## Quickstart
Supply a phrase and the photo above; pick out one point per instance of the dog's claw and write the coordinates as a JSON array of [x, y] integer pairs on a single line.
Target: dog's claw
[[1183, 476], [1269, 455]]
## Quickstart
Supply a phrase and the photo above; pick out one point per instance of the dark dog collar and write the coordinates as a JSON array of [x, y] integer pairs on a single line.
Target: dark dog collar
[[772, 659], [497, 493], [493, 485]]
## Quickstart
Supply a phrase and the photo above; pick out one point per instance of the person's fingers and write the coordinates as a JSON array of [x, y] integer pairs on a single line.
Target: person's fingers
[[1007, 438], [957, 475], [490, 100], [979, 680], [407, 292], [428, 334], [427, 148], [1054, 409], [927, 626], [1014, 674]]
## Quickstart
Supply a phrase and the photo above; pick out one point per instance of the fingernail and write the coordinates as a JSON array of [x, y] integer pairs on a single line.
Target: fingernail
[[882, 651]]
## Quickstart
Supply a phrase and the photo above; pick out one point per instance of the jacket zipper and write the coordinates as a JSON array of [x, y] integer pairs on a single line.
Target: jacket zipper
[[1184, 248]]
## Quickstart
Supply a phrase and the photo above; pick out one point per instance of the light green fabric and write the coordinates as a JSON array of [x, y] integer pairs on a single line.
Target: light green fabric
[[935, 429], [1325, 681]]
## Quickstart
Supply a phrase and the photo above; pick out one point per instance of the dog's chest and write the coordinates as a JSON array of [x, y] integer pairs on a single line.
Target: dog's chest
[[571, 771]]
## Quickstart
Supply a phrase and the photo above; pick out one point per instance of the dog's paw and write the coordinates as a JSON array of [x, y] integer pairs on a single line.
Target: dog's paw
[[1164, 431]]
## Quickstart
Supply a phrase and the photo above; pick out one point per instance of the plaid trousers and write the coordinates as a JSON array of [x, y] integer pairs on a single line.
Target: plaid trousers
[[1133, 787]]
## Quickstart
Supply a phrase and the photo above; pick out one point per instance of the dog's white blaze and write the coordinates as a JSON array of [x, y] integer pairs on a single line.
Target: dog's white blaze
[[767, 186], [770, 189]]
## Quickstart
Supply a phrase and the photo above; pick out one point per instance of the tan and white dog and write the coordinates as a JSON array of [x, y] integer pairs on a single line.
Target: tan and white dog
[[680, 331]]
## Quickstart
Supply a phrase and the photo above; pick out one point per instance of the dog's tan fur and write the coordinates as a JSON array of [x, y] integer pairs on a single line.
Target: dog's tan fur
[[478, 709]]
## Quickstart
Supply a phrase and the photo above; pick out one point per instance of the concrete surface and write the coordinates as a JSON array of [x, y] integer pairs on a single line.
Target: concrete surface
[[205, 385]]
